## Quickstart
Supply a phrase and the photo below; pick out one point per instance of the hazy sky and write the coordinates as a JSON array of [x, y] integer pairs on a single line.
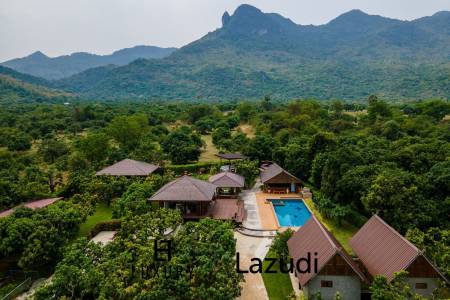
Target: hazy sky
[[58, 27]]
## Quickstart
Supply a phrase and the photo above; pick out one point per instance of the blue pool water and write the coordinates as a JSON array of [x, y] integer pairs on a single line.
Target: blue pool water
[[291, 212]]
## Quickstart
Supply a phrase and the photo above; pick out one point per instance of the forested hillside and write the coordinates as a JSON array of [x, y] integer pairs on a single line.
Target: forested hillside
[[256, 54]]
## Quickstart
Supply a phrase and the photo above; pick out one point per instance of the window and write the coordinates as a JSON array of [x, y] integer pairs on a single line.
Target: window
[[326, 283], [421, 285]]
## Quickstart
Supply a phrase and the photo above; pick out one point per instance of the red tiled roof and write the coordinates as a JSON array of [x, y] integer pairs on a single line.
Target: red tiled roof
[[128, 167], [227, 179], [33, 205], [382, 250], [272, 170], [312, 238], [185, 188]]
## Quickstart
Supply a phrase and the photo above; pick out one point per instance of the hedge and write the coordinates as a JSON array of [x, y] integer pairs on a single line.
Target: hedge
[[197, 168], [111, 225]]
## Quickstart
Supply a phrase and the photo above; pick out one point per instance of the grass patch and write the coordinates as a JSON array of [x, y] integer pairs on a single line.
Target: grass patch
[[278, 285], [210, 151], [248, 130], [103, 212], [343, 233]]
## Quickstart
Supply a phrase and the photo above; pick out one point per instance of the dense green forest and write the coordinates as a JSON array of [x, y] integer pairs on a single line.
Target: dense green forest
[[359, 159]]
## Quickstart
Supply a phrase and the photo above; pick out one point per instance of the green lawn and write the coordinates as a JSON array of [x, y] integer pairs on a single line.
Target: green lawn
[[103, 212], [278, 285]]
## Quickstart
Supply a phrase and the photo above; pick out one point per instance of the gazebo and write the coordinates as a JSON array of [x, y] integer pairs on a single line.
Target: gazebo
[[128, 167], [228, 184]]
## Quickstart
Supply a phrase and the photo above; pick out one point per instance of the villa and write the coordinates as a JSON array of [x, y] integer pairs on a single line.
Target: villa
[[384, 251], [336, 270], [276, 180], [128, 167], [197, 199]]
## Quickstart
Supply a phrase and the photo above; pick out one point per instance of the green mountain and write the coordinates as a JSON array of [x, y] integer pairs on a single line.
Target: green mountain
[[38, 64], [17, 87], [255, 54]]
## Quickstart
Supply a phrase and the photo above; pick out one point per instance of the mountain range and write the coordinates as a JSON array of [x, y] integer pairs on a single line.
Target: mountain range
[[39, 64], [255, 54]]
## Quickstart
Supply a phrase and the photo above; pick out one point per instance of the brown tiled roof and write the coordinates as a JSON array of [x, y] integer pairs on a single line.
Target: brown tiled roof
[[228, 209], [33, 205], [270, 171], [312, 238], [129, 167], [231, 156], [383, 250], [185, 188], [227, 179]]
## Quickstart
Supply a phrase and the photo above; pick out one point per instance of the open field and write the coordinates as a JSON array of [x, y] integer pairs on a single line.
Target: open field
[[248, 130], [210, 151]]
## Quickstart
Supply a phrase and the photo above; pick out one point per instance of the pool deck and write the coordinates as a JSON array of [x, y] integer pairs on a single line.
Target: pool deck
[[267, 214]]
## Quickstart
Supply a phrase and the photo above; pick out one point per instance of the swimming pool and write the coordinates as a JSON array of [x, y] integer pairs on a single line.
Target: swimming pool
[[291, 212]]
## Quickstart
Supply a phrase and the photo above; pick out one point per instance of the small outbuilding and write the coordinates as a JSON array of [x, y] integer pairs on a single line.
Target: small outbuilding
[[384, 251], [336, 270], [128, 167], [277, 180], [229, 184]]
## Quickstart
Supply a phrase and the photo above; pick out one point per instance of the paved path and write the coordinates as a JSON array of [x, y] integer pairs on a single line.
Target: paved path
[[249, 247], [104, 237], [249, 198]]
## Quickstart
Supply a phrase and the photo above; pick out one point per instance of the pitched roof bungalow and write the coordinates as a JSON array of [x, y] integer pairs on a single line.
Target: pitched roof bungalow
[[128, 167], [384, 251], [275, 179], [229, 184], [336, 270], [196, 199]]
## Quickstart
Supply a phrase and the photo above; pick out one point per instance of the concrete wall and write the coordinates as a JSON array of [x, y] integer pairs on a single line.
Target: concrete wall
[[432, 284], [348, 286]]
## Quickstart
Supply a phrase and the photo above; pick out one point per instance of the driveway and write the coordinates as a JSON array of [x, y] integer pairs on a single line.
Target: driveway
[[248, 248]]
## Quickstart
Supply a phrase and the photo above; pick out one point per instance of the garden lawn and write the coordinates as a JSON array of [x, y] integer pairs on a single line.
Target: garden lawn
[[103, 212], [278, 285]]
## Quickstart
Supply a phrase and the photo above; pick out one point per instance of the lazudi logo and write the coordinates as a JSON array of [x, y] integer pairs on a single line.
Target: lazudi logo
[[301, 265]]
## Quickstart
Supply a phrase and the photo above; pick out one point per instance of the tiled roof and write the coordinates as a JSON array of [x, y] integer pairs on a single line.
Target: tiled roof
[[129, 167], [186, 188], [382, 250], [227, 179], [313, 238], [272, 170], [32, 205]]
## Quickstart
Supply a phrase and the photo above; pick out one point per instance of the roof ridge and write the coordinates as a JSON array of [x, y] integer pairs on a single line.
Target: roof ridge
[[397, 233], [165, 187], [194, 183], [325, 232], [136, 164]]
